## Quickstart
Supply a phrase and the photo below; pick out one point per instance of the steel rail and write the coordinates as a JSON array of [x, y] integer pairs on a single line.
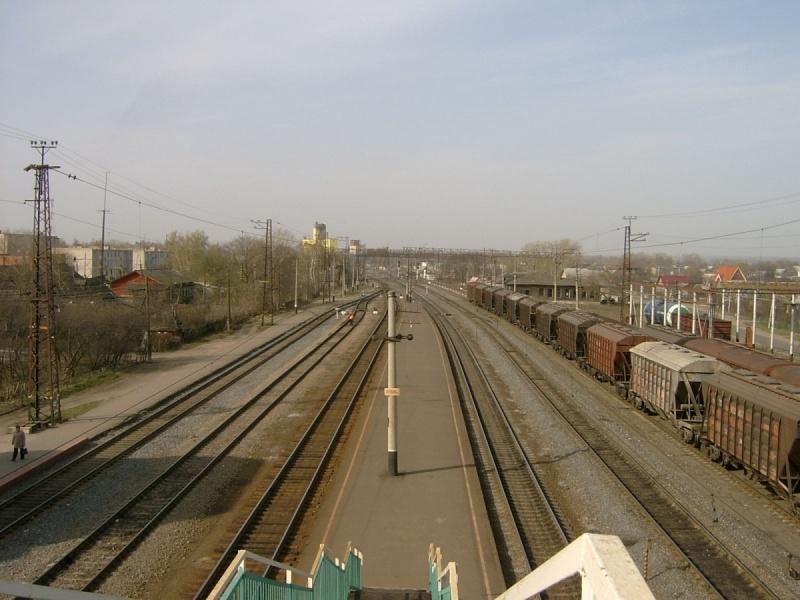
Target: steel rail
[[247, 530], [724, 573], [508, 539], [541, 529], [27, 502], [121, 533]]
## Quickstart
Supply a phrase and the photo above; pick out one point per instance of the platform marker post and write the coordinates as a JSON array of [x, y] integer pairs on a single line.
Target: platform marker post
[[641, 306], [653, 306], [772, 324], [392, 385], [738, 307]]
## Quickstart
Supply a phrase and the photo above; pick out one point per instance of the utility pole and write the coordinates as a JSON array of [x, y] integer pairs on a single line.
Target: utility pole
[[296, 268], [265, 303], [344, 266], [326, 270], [626, 263], [408, 278], [103, 235], [555, 275], [148, 347], [515, 273], [43, 321], [228, 319]]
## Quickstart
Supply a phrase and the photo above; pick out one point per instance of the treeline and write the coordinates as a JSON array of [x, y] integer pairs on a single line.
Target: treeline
[[95, 331]]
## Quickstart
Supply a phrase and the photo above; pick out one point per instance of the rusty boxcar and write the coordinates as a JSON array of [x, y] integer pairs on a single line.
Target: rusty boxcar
[[475, 292], [608, 350], [487, 297], [499, 301], [512, 306], [527, 312], [735, 355], [721, 328], [752, 421], [670, 335], [547, 320], [572, 327], [788, 373], [667, 379]]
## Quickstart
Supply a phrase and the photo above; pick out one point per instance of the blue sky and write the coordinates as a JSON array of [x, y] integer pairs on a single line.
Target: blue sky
[[453, 124]]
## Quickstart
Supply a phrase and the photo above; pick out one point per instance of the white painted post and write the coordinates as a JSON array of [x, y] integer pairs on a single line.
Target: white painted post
[[723, 304], [665, 308], [694, 313], [755, 311], [392, 383], [679, 310], [641, 305], [772, 324], [738, 308], [793, 310], [711, 304], [653, 306]]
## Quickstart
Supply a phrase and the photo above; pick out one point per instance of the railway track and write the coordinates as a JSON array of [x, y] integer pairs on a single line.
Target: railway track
[[26, 502], [272, 517], [724, 574], [88, 564], [526, 522]]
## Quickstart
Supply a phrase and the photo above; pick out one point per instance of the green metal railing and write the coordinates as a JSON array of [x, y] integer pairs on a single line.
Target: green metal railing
[[330, 580], [246, 586], [442, 582]]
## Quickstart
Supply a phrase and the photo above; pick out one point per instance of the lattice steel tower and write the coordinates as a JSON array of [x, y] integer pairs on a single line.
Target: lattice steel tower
[[42, 335]]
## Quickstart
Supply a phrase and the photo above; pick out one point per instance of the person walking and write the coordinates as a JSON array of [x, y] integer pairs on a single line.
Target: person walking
[[18, 442]]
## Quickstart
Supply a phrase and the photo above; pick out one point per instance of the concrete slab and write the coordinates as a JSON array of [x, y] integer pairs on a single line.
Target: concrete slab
[[436, 498]]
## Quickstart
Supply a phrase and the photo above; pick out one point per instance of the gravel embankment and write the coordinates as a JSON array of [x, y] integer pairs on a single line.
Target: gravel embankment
[[26, 553], [747, 523]]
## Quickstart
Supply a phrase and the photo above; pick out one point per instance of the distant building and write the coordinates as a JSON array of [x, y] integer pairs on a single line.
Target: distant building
[[541, 287], [20, 244], [168, 286], [728, 273], [86, 261], [356, 247], [12, 260], [670, 281], [319, 238], [574, 272], [149, 258]]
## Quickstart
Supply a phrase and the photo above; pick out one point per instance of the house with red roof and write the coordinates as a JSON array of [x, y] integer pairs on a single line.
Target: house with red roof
[[668, 280], [169, 285], [727, 273]]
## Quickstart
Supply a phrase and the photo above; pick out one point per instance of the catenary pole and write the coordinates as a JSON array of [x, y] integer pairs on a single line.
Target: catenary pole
[[296, 268]]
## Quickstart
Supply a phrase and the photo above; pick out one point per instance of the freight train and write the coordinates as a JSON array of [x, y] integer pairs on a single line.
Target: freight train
[[740, 407]]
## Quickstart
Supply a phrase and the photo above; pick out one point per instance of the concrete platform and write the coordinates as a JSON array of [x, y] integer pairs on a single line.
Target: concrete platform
[[141, 387], [436, 498]]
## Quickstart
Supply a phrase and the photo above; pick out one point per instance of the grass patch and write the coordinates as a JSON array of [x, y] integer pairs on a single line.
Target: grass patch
[[76, 411], [90, 379]]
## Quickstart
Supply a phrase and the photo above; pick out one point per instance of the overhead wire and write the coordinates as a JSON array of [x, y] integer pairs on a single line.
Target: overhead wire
[[731, 208], [97, 171]]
